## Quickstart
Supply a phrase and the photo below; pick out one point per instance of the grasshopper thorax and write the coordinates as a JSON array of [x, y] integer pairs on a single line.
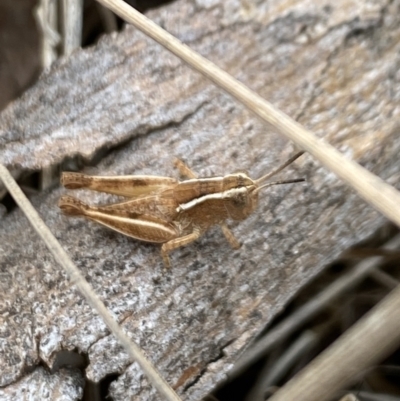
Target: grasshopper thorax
[[237, 180]]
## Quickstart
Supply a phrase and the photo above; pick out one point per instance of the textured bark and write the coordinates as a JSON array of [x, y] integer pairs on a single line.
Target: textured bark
[[63, 385], [334, 66]]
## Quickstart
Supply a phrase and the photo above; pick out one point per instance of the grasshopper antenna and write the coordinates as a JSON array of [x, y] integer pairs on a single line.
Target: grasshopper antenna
[[279, 169], [270, 184]]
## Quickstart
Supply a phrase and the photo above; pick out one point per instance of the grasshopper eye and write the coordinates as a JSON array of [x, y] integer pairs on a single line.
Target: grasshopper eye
[[239, 200], [240, 203]]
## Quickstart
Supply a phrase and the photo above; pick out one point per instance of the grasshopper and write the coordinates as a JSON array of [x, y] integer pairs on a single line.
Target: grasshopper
[[167, 211]]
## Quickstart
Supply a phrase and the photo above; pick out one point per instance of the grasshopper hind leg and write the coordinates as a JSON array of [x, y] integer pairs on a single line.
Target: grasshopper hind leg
[[141, 227], [71, 206], [127, 185]]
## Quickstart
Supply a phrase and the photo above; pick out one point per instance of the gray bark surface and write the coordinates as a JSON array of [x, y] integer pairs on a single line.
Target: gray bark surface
[[63, 385], [333, 66]]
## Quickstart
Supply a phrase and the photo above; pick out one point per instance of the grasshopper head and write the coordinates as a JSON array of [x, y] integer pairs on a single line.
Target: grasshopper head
[[238, 194], [241, 192], [241, 202]]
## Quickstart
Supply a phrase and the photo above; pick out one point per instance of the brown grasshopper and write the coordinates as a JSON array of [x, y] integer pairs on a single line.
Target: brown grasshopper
[[167, 211]]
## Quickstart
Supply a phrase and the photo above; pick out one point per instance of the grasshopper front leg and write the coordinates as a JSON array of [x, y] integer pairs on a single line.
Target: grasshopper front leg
[[235, 244]]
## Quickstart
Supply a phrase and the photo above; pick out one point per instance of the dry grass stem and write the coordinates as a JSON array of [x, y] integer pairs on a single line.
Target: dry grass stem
[[364, 344], [72, 25], [349, 397], [310, 309], [270, 375], [84, 287], [383, 278], [369, 396], [46, 17]]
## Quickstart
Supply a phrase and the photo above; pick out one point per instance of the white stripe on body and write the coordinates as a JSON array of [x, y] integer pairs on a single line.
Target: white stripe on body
[[221, 195]]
